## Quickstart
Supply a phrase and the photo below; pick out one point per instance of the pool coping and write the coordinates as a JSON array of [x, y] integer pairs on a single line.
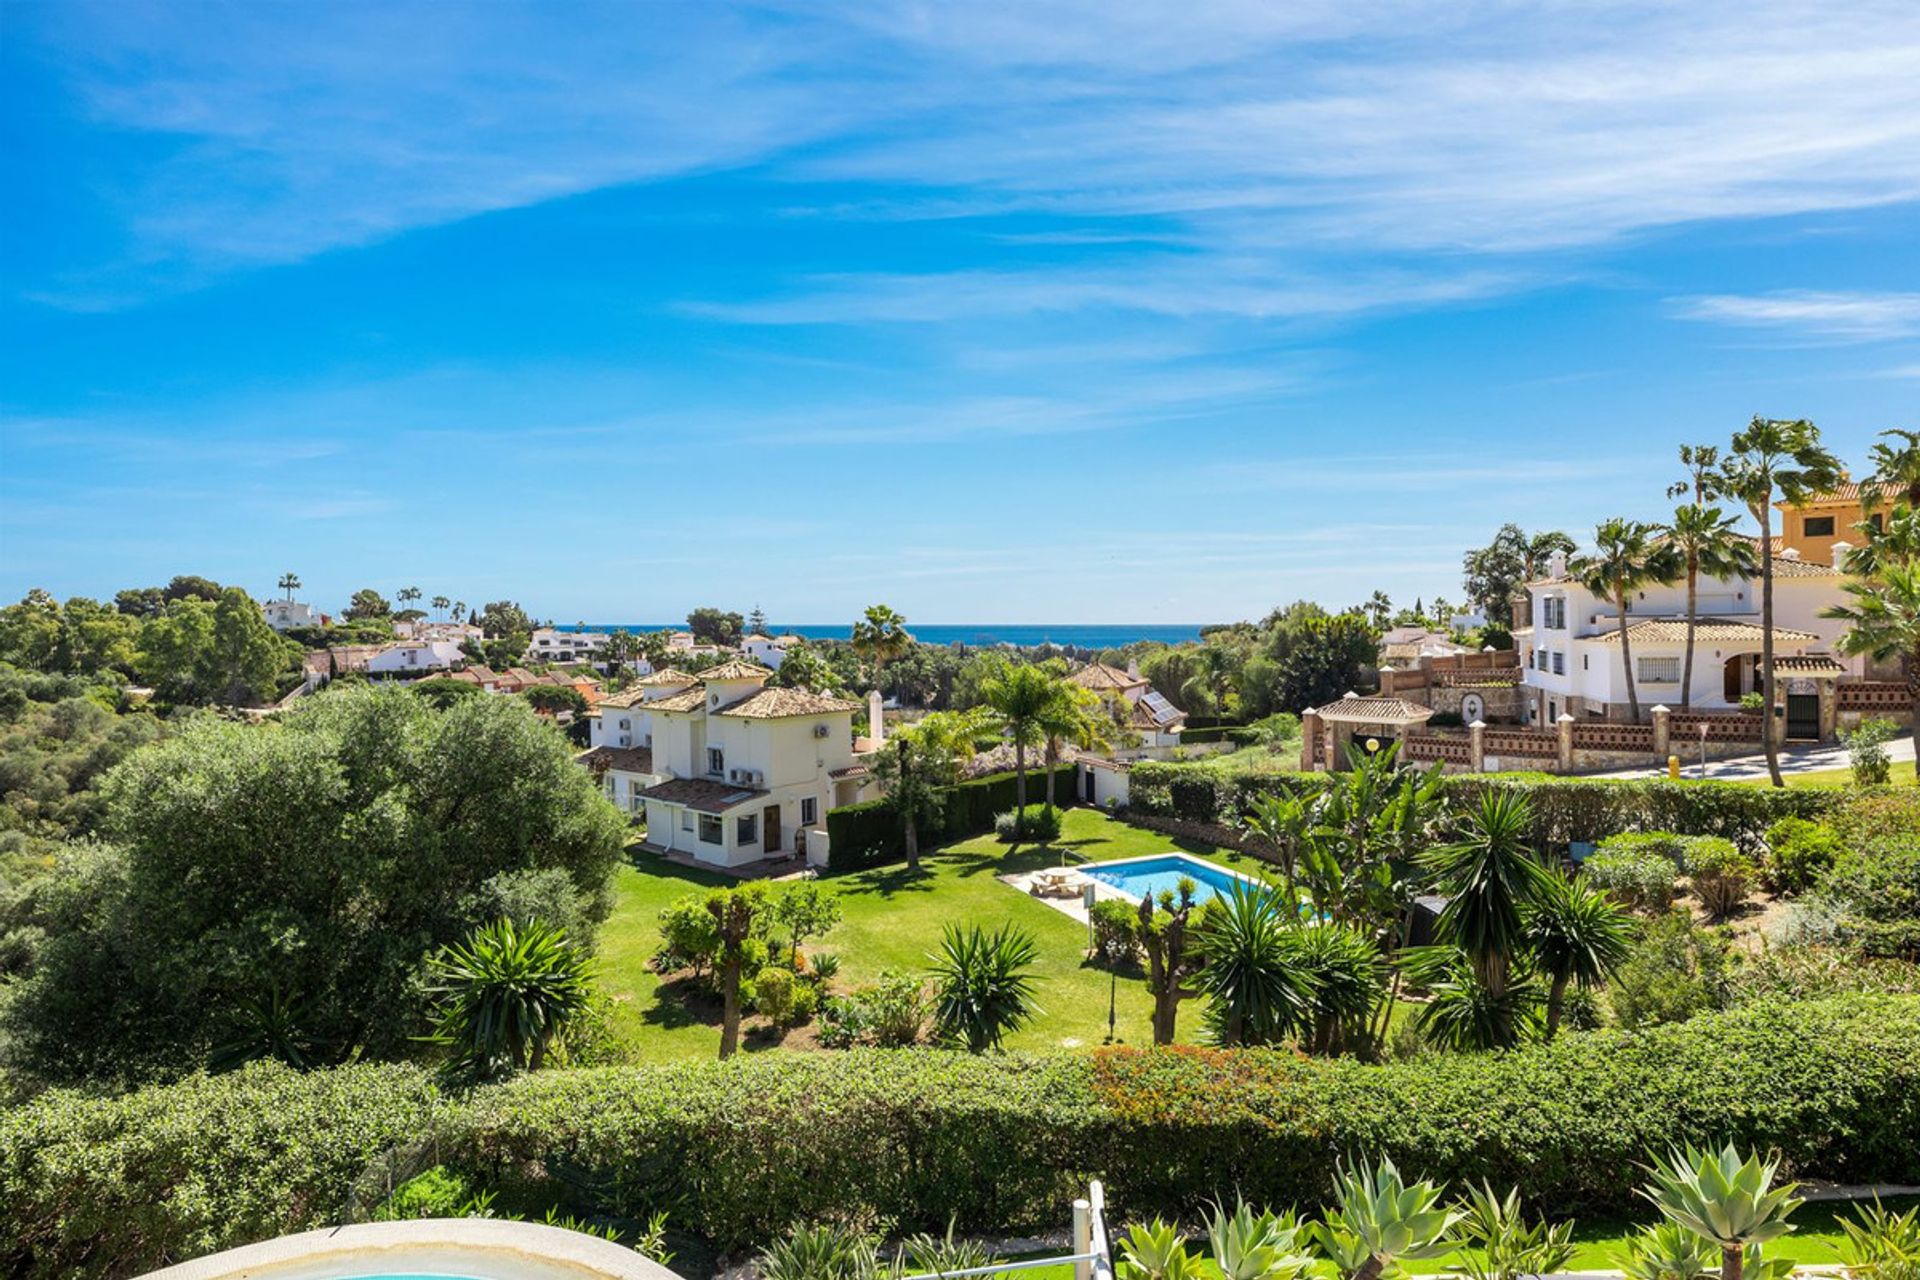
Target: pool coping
[[367, 1248], [1087, 868]]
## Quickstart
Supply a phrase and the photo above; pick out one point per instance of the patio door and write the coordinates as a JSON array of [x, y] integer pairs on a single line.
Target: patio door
[[770, 828], [1803, 716]]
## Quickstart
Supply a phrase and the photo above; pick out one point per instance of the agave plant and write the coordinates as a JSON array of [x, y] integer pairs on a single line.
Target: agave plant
[[1667, 1251], [1156, 1251], [1723, 1198], [1503, 1245], [1881, 1244], [982, 985], [823, 1251], [1378, 1219], [1256, 1246]]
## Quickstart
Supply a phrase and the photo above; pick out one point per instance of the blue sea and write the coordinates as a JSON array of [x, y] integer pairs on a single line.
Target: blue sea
[[978, 635]]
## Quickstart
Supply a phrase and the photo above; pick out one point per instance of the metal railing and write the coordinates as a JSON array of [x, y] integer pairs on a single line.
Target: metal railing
[[1092, 1256]]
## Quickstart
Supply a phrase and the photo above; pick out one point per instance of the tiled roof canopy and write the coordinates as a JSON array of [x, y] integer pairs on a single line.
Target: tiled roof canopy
[[686, 700], [1376, 710], [737, 669], [624, 759], [1813, 664], [665, 676], [1101, 678], [1674, 631], [776, 704], [701, 794]]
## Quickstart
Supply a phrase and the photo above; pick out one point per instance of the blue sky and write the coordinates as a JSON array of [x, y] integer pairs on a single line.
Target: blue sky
[[996, 312]]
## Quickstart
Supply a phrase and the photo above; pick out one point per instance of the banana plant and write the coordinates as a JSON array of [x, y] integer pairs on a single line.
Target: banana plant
[[1723, 1198], [1156, 1251], [1256, 1246], [1379, 1219]]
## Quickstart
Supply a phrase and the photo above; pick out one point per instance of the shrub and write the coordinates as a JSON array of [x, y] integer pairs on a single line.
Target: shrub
[[889, 1014], [1041, 825], [773, 994], [1663, 844], [1116, 928], [868, 834], [122, 1185], [1721, 875], [1874, 891], [1675, 971], [1639, 881], [1799, 853], [1867, 751]]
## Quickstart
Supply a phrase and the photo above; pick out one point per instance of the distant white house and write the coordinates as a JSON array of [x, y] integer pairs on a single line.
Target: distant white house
[[284, 615], [1406, 646], [1156, 721], [750, 772], [768, 651], [426, 629], [551, 645], [413, 657]]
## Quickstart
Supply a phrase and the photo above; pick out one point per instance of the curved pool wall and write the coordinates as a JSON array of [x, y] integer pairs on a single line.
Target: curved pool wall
[[1138, 877], [466, 1248]]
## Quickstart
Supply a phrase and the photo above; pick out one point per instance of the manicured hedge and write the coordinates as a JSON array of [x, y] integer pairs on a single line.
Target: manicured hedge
[[1002, 1143], [736, 1151], [868, 834], [1564, 809], [93, 1186]]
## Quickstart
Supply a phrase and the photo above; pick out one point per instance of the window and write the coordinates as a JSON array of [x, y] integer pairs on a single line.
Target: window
[[1556, 612], [1559, 663], [716, 761], [1660, 671], [1819, 526], [639, 801], [686, 819], [711, 832], [746, 829], [1539, 659], [809, 811]]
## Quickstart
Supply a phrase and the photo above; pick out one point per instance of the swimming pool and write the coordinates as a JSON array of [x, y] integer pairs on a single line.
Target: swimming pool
[[425, 1249], [1146, 877]]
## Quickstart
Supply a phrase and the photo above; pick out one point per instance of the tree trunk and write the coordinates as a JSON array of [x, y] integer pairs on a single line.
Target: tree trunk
[[913, 844], [1913, 704], [1371, 1268], [730, 1008], [1556, 1000], [1053, 757], [1733, 1261], [1020, 790], [1626, 657], [1770, 742], [1693, 620]]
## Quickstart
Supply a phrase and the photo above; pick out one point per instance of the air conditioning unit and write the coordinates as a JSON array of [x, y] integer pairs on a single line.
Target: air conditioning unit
[[822, 730]]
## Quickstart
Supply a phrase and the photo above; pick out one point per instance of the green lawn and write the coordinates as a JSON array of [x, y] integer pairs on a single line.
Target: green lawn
[[892, 920], [1902, 777]]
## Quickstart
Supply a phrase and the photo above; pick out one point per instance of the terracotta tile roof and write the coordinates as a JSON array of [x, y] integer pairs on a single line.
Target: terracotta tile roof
[[1813, 664], [1674, 631], [1376, 710], [775, 704], [850, 771], [737, 669], [1101, 678], [1784, 567], [624, 759], [1848, 492], [687, 700], [626, 698], [702, 794], [664, 676]]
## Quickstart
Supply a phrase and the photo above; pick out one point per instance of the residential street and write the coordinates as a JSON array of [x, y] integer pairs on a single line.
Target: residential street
[[1793, 760]]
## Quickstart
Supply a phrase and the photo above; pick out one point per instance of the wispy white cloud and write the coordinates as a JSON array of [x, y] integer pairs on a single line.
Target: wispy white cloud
[[1806, 313]]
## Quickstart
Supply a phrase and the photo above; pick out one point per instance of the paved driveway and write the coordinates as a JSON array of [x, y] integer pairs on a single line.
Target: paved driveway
[[1793, 760]]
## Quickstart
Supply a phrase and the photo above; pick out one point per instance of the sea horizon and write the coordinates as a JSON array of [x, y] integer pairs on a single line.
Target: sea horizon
[[1074, 635]]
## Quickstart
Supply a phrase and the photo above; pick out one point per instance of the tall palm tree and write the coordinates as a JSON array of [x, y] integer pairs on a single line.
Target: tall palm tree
[[1625, 557], [1774, 457], [1896, 468], [459, 607], [289, 583], [1702, 462], [1884, 621], [440, 604], [919, 763], [1708, 543], [1075, 717], [1577, 934], [1489, 876], [1019, 700], [881, 636]]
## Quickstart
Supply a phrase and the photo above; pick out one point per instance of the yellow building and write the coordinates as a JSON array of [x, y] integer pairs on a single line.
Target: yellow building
[[1812, 528]]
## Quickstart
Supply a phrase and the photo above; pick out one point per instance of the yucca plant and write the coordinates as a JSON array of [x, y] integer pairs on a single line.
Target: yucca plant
[[982, 987], [1155, 1251], [927, 1254], [1723, 1198], [505, 993], [1256, 1246], [1882, 1244], [1258, 993], [1379, 1219], [1503, 1245], [821, 1251]]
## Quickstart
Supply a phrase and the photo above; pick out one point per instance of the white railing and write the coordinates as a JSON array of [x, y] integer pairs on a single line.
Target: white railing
[[1092, 1256]]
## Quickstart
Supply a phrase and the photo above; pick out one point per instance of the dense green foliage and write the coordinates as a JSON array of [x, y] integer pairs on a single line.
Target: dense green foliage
[[278, 887], [869, 833], [741, 1150]]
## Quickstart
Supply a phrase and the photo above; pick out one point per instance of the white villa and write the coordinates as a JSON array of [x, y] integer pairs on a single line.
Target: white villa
[[550, 645], [284, 615], [768, 651], [412, 657], [425, 629], [1410, 644], [1572, 656], [741, 772], [1148, 713]]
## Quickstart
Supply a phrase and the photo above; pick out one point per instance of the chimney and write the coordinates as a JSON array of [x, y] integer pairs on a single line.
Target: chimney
[[1791, 553], [1133, 669], [1840, 550], [876, 719], [1557, 565]]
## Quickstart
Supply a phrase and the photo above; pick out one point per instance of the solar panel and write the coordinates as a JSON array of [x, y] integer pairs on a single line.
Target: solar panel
[[1163, 711]]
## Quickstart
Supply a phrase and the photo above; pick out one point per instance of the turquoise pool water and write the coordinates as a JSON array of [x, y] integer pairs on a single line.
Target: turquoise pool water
[[1145, 877]]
